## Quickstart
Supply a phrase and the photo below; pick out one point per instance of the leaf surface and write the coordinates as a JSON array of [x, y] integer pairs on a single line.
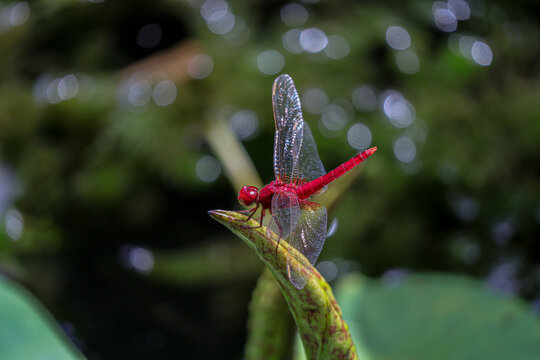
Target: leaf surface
[[437, 316], [27, 330]]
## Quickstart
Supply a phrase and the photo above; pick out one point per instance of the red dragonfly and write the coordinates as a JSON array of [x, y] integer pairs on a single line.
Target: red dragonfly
[[299, 174]]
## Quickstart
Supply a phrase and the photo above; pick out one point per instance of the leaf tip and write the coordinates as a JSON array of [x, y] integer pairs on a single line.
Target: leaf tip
[[216, 214], [224, 216]]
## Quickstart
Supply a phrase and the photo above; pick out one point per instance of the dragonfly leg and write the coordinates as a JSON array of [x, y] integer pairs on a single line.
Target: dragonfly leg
[[279, 237], [261, 218], [251, 212], [277, 247]]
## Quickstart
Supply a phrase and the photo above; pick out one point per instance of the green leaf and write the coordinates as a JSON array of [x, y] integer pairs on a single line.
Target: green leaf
[[27, 330], [324, 333], [432, 316]]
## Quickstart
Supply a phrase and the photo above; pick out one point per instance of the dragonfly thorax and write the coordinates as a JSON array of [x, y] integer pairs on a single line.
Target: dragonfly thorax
[[248, 195], [267, 193]]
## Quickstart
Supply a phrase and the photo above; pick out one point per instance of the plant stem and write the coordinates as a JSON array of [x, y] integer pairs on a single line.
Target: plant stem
[[270, 325]]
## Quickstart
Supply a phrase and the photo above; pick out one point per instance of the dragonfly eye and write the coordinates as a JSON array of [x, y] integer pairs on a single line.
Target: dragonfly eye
[[248, 195]]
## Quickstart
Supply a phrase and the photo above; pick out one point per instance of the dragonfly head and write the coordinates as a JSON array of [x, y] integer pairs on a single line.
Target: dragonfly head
[[248, 195]]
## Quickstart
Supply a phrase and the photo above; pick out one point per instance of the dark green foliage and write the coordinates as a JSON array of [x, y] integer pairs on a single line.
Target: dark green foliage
[[94, 178]]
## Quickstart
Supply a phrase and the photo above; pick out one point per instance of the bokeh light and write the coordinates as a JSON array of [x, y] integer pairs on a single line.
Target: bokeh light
[[208, 168], [221, 22], [50, 90], [364, 98], [164, 93], [68, 87], [210, 7], [460, 9], [445, 19], [294, 14], [465, 46], [337, 47], [328, 269], [14, 224], [139, 93], [399, 111], [53, 96], [481, 53], [359, 136], [334, 118], [291, 41], [220, 19], [405, 149], [398, 38], [244, 124], [137, 258], [313, 40], [141, 259], [270, 62], [332, 228], [19, 14], [200, 66], [407, 61]]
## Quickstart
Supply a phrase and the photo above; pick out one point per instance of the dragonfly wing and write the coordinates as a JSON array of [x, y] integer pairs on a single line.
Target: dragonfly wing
[[308, 238], [310, 163], [285, 212], [289, 129]]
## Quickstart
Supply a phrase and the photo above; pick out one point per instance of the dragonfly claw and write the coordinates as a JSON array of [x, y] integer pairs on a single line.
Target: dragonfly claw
[[277, 246]]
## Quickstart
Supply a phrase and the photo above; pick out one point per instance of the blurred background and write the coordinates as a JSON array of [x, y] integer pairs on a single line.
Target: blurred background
[[116, 117]]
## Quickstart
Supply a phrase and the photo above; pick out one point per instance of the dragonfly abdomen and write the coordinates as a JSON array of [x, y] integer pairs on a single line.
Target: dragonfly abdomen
[[312, 187]]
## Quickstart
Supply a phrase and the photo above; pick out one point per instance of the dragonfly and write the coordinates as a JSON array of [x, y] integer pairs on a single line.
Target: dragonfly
[[299, 174]]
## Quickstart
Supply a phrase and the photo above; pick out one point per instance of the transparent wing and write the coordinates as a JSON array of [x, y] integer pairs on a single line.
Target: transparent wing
[[308, 238], [289, 129], [285, 212], [310, 163]]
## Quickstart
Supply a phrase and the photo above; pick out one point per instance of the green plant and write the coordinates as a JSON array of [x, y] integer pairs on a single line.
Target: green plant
[[324, 333]]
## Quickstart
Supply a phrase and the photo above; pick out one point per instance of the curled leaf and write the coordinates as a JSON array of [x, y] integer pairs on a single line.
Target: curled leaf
[[324, 333]]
